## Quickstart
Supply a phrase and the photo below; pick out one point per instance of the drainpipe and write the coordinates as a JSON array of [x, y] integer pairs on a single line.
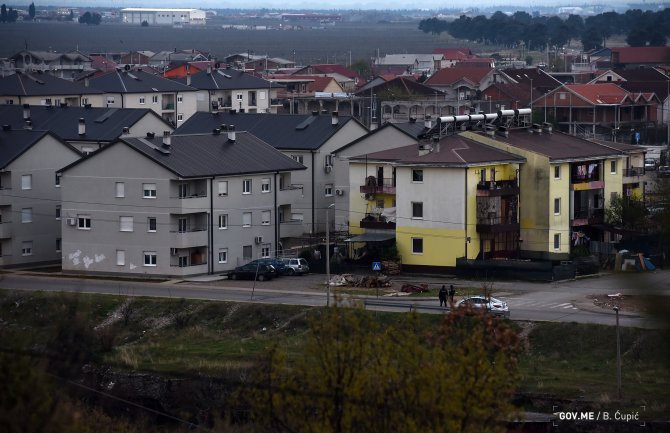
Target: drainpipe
[[466, 214], [275, 186], [210, 268], [313, 195]]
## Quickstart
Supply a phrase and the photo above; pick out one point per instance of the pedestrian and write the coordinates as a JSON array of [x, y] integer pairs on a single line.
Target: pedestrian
[[443, 296], [452, 292]]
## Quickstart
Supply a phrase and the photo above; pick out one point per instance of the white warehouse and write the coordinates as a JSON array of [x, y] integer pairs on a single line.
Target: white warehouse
[[163, 16]]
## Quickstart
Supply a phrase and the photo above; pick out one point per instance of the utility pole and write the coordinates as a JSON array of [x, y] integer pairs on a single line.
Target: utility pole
[[618, 354], [328, 255]]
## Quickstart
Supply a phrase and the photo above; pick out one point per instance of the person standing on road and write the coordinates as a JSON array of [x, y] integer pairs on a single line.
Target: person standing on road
[[442, 294], [452, 292]]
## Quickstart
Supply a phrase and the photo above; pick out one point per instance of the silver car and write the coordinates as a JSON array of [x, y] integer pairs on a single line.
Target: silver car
[[493, 305], [296, 266]]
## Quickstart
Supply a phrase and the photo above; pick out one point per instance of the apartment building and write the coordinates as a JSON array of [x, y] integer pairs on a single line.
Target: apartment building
[[30, 192], [175, 205], [39, 88]]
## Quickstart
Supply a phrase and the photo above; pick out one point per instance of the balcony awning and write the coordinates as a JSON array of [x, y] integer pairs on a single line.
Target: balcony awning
[[371, 237]]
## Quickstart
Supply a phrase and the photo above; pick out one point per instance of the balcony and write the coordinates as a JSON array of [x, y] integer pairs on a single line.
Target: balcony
[[494, 223], [374, 185], [5, 230], [497, 188], [5, 196], [372, 222], [584, 217]]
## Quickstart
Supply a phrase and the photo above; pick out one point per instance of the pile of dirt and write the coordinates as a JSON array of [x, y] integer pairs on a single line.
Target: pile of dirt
[[627, 303]]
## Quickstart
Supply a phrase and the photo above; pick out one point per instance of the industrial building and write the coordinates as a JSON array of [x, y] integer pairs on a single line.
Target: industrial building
[[163, 16]]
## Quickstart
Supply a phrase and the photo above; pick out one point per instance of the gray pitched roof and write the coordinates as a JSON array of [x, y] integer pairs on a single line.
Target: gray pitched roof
[[454, 151], [41, 84], [226, 79], [209, 155], [102, 124], [411, 129], [283, 131], [13, 143], [136, 82]]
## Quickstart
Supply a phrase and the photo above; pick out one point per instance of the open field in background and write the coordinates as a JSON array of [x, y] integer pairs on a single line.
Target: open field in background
[[311, 46], [180, 337]]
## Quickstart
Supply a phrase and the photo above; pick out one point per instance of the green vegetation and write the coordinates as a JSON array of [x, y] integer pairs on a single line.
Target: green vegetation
[[189, 338]]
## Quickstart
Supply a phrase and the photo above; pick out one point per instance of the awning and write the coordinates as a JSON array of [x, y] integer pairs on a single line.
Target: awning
[[371, 237]]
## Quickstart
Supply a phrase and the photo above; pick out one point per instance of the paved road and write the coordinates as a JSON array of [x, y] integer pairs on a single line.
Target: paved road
[[560, 302]]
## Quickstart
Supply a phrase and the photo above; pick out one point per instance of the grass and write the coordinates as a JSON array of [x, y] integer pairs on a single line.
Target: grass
[[189, 337]]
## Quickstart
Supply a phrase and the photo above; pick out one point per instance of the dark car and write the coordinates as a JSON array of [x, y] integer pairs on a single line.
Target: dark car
[[279, 265], [663, 171], [251, 271]]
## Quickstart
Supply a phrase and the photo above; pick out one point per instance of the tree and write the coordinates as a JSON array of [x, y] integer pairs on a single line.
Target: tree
[[12, 15], [362, 68], [626, 212], [90, 18], [357, 375], [31, 11], [145, 23], [3, 13], [637, 38], [591, 39]]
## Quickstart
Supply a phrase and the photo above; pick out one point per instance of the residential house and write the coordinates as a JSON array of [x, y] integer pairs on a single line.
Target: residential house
[[347, 78], [62, 65], [307, 93], [565, 187], [183, 69], [602, 110], [175, 205], [230, 89], [453, 55], [172, 101], [30, 196], [464, 85], [85, 128], [441, 199], [426, 64], [139, 58], [163, 60], [634, 57], [310, 140], [523, 86], [44, 89]]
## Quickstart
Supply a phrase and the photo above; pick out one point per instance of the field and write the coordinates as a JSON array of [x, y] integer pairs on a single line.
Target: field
[[330, 45]]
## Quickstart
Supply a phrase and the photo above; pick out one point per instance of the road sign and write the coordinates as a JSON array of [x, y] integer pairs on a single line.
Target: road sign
[[376, 266]]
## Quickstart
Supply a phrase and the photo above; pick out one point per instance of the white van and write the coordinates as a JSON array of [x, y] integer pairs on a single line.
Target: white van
[[297, 266]]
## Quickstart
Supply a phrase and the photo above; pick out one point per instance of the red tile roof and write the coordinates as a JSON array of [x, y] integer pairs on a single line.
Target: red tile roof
[[600, 94], [627, 55], [330, 69], [454, 53], [448, 76]]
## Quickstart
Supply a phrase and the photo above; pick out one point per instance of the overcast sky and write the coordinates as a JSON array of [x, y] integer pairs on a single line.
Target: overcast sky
[[311, 4]]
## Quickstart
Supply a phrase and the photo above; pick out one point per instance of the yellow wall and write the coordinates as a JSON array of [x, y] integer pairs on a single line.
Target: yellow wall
[[613, 181], [558, 224], [441, 247]]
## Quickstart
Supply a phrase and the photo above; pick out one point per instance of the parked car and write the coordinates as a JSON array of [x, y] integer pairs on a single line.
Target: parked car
[[278, 264], [297, 266], [663, 171], [251, 271], [650, 164], [493, 305]]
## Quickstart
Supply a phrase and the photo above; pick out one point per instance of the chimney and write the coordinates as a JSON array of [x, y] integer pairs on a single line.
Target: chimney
[[216, 131], [26, 111], [86, 82], [125, 130], [28, 124], [188, 79], [167, 140], [151, 135], [82, 126], [335, 118], [209, 69], [231, 133], [427, 122]]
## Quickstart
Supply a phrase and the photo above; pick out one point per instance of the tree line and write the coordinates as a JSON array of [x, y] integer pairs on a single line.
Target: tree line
[[539, 32]]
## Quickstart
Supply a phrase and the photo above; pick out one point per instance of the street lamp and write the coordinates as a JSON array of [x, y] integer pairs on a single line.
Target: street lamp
[[618, 354], [328, 255]]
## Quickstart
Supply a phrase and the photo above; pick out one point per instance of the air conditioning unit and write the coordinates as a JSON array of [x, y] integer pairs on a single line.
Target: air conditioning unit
[[258, 239], [369, 196], [328, 168], [173, 251], [71, 221], [339, 192]]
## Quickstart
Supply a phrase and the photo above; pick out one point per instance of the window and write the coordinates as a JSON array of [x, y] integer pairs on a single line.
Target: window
[[120, 257], [27, 181], [84, 101], [9, 101], [380, 203], [328, 191], [417, 175], [246, 252], [613, 167], [265, 185], [417, 209], [59, 244], [151, 224], [417, 245], [120, 189], [223, 188], [27, 248], [223, 221], [557, 206], [238, 96], [180, 117], [298, 158], [154, 99], [246, 219], [86, 150], [557, 241], [150, 258], [184, 190], [482, 175], [182, 225], [84, 222], [27, 215], [141, 99], [180, 99], [223, 255], [557, 172], [265, 251], [265, 217], [57, 181], [58, 212], [126, 224], [246, 186], [149, 190]]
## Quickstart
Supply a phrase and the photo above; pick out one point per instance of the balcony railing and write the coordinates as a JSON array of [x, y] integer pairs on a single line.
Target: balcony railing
[[494, 223], [588, 216], [633, 171], [374, 185], [168, 106], [498, 188]]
